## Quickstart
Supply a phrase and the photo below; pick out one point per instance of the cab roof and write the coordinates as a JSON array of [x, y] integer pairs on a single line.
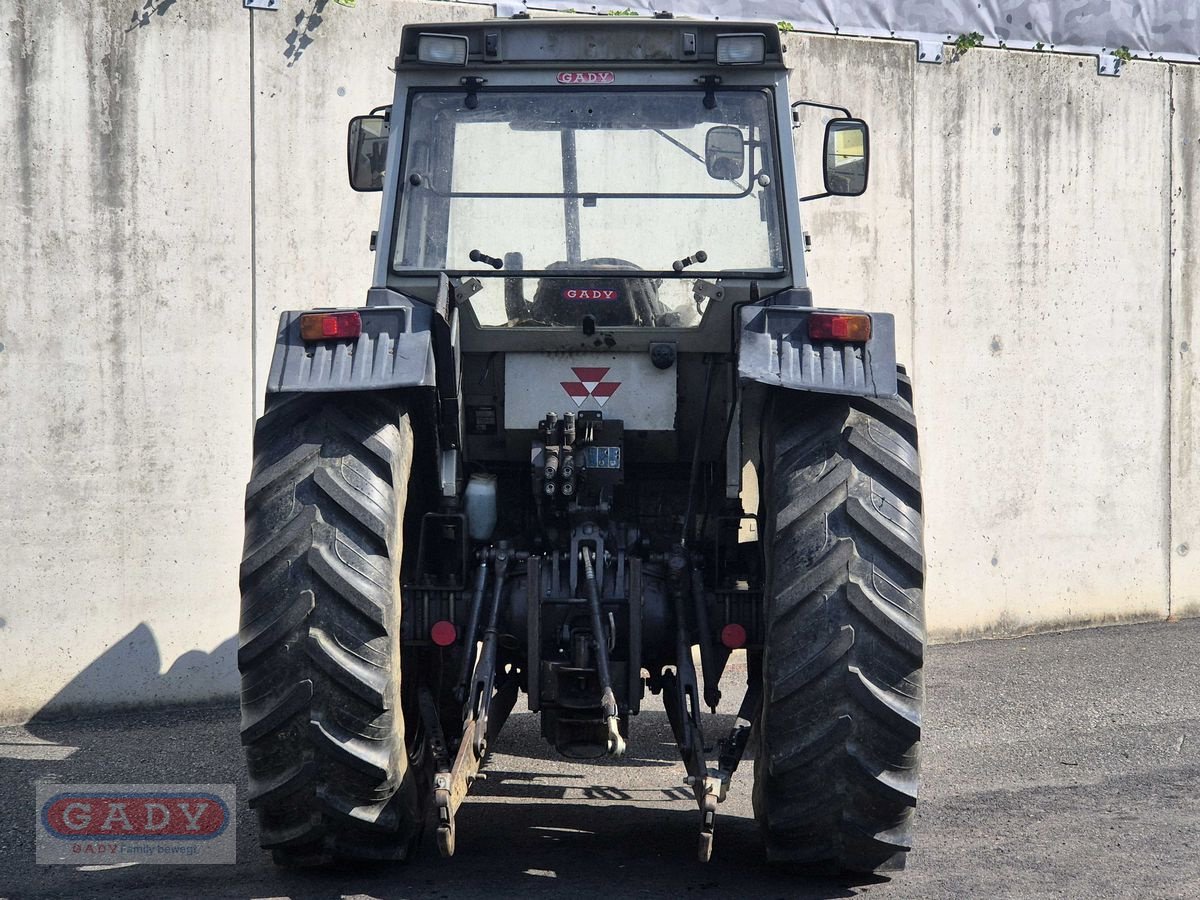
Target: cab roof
[[586, 39]]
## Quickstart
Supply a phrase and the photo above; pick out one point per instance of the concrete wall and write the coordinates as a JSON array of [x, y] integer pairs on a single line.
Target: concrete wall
[[1019, 224], [1184, 546], [315, 65], [125, 384], [176, 177], [1041, 276]]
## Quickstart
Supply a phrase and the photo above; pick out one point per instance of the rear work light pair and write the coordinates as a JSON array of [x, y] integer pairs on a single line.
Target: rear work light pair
[[452, 49]]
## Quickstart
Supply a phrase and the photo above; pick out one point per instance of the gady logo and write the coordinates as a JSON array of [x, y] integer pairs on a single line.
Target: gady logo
[[183, 816], [590, 294], [586, 78]]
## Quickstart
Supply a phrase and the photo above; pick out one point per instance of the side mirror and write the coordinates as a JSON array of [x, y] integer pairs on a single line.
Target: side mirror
[[366, 152], [725, 152], [847, 157]]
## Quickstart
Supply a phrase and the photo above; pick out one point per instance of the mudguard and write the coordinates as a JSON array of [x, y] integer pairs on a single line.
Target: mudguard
[[396, 349], [775, 349]]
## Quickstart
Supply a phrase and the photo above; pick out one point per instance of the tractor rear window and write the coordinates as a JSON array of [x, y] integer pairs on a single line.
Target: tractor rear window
[[604, 201]]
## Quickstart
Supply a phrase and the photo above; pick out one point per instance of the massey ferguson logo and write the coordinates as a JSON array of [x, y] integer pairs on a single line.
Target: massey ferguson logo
[[82, 816], [591, 384], [589, 294], [586, 78]]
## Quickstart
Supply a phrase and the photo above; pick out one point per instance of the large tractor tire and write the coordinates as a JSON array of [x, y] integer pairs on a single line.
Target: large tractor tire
[[323, 719], [837, 766]]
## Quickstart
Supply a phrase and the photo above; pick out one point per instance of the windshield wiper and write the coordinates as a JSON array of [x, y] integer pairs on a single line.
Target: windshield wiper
[[694, 155], [680, 144], [698, 257], [477, 256]]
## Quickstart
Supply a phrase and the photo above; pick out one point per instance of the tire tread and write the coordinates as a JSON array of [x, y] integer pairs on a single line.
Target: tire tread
[[837, 771], [322, 724]]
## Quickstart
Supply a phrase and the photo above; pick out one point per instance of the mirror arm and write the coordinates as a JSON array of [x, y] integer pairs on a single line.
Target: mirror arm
[[845, 112], [816, 196]]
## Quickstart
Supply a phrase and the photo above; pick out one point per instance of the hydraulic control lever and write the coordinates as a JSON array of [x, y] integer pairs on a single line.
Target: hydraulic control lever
[[698, 257], [480, 257]]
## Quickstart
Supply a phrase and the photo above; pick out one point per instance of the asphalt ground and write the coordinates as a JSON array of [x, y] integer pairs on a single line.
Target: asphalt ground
[[1060, 765]]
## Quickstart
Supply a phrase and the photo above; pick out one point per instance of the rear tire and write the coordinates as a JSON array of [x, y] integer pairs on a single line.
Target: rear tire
[[837, 769], [322, 714]]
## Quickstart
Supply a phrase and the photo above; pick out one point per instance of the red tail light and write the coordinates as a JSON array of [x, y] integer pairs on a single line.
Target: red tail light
[[330, 326], [839, 327]]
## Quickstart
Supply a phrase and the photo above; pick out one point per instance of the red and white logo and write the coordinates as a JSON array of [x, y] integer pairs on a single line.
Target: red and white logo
[[625, 385], [591, 384], [586, 77], [194, 815], [146, 824], [589, 294]]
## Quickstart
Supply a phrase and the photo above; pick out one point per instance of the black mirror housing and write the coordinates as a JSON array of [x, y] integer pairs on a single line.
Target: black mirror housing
[[366, 152], [847, 157]]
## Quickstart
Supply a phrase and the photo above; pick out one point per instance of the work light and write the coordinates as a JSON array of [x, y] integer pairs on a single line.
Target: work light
[[442, 49], [740, 49]]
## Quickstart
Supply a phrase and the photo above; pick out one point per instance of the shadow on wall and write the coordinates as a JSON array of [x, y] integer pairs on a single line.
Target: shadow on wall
[[129, 675], [302, 35], [141, 15]]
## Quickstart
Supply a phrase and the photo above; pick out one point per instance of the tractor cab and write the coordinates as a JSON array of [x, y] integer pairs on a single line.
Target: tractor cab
[[588, 170]]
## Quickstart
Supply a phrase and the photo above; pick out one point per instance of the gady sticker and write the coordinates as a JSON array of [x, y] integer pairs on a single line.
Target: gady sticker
[[591, 294], [586, 78]]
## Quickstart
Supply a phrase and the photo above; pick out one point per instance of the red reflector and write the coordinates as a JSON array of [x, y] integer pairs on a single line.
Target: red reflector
[[330, 326], [443, 633], [733, 636], [839, 327]]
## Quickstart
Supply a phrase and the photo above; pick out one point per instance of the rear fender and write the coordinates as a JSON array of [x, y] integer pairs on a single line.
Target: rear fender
[[775, 349], [395, 350]]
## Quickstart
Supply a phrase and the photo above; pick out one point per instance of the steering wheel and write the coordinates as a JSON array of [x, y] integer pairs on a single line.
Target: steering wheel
[[610, 262], [642, 310]]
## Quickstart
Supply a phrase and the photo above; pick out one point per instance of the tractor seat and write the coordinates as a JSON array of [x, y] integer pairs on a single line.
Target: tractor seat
[[616, 299]]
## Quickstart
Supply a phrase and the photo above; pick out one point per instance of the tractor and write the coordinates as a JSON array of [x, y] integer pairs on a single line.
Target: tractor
[[587, 437]]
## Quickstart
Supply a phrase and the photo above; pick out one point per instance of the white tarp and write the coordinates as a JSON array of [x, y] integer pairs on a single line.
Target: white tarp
[[1168, 29]]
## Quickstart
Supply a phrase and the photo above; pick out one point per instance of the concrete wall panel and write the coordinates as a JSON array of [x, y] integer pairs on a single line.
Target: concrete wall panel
[[125, 368], [1185, 342], [317, 64], [861, 246], [1041, 277]]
